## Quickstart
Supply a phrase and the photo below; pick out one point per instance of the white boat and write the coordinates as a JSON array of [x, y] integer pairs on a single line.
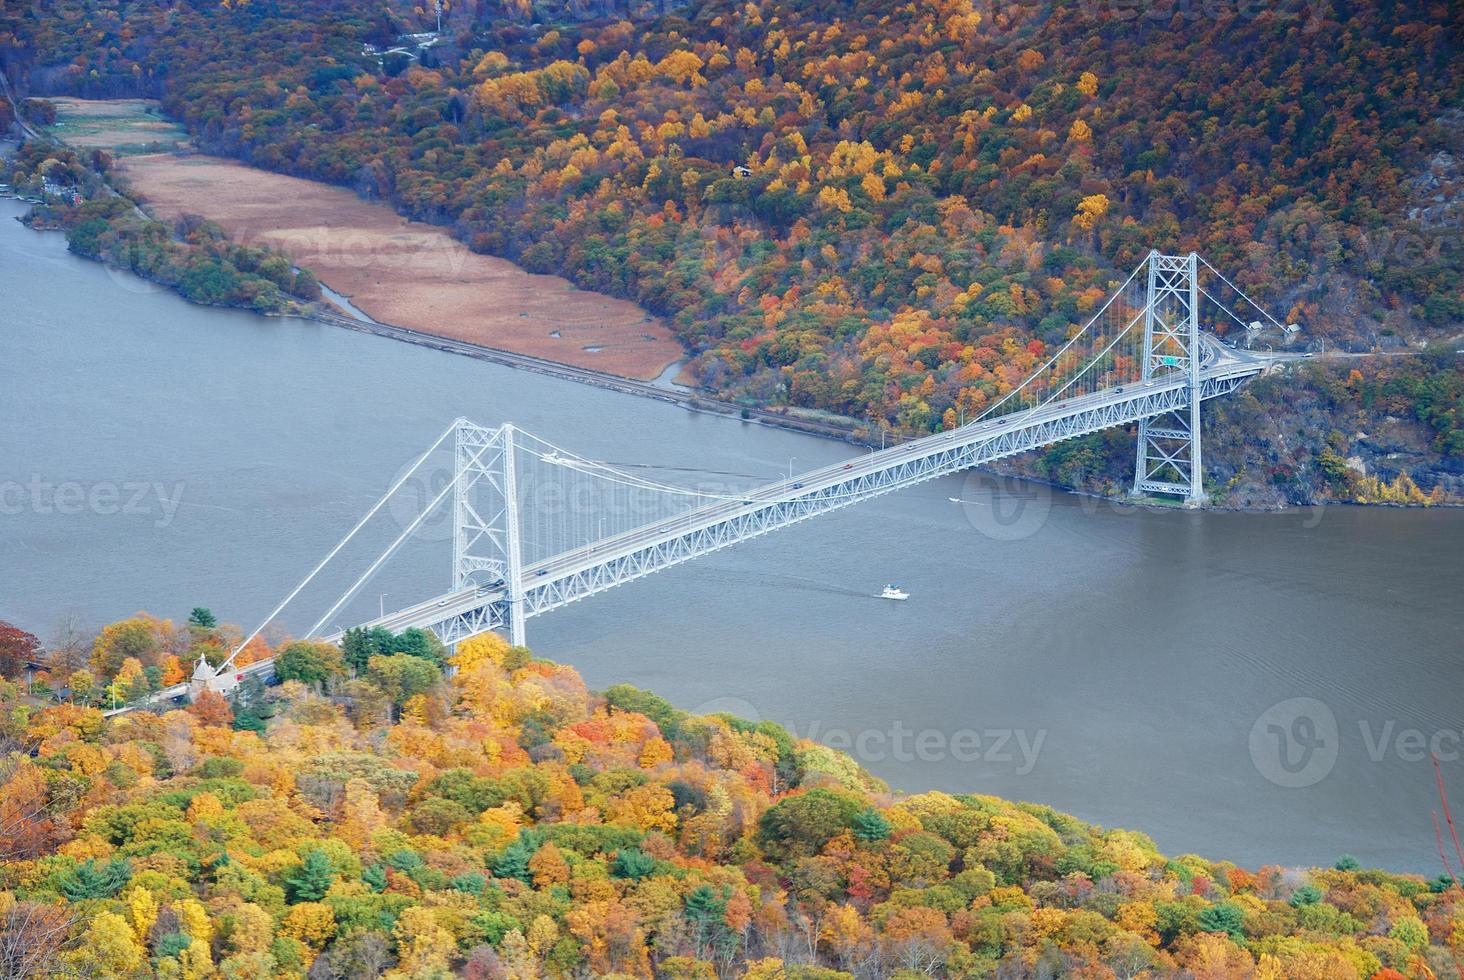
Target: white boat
[[891, 592]]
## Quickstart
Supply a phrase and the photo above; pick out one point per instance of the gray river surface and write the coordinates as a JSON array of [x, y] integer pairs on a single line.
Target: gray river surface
[[1259, 687]]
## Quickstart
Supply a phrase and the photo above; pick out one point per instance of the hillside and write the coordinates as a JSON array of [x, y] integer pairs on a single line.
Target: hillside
[[374, 817], [930, 197]]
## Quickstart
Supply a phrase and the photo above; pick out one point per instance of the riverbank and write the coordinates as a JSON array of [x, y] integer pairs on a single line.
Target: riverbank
[[409, 281], [687, 398], [417, 283], [406, 272]]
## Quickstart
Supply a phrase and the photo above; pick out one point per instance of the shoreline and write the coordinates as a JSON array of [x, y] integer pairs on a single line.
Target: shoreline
[[689, 399], [401, 270], [694, 400], [336, 308]]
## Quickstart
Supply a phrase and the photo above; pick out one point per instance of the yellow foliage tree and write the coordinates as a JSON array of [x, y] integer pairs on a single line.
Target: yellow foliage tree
[[649, 807], [361, 814], [1090, 209], [193, 919], [142, 910], [656, 751], [682, 66], [873, 186], [196, 961], [250, 929], [548, 867], [425, 947], [835, 199], [313, 923], [110, 949]]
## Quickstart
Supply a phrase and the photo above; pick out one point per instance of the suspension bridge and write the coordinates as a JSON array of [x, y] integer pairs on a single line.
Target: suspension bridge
[[536, 526]]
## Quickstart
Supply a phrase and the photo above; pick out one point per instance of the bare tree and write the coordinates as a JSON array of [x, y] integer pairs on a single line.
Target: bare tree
[[33, 936], [69, 647]]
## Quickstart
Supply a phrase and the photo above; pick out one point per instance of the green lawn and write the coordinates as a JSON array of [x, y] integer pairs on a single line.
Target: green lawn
[[120, 126]]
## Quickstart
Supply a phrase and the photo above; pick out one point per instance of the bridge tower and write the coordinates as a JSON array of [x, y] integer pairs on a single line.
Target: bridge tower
[[486, 543], [1169, 459]]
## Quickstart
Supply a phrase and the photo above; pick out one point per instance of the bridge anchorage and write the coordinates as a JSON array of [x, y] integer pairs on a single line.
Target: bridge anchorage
[[536, 526]]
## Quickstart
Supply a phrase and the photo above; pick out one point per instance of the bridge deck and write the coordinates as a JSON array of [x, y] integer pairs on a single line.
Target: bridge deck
[[612, 561], [622, 558]]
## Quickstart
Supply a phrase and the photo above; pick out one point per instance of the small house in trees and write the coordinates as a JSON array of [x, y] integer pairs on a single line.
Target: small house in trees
[[741, 172], [50, 190]]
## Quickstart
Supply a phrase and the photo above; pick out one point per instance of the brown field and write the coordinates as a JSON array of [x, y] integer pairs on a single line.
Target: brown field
[[404, 272]]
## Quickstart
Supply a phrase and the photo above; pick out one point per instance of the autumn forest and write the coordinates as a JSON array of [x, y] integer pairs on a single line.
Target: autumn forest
[[879, 214], [884, 212], [394, 810]]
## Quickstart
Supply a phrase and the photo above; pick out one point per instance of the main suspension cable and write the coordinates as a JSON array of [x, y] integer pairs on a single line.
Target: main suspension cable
[[336, 550]]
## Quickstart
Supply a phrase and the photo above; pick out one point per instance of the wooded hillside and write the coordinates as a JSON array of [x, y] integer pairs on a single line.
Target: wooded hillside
[[372, 817], [931, 195]]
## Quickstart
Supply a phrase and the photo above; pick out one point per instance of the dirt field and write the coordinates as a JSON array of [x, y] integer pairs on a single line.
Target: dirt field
[[124, 126], [407, 273]]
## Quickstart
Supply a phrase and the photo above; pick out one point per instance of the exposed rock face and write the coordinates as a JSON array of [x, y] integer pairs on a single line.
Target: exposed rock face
[[1436, 190]]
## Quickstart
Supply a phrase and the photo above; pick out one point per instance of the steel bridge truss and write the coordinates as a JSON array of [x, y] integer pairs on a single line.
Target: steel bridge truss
[[492, 588], [721, 525]]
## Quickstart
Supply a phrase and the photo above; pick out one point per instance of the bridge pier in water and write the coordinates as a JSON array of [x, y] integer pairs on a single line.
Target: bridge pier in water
[[1169, 459]]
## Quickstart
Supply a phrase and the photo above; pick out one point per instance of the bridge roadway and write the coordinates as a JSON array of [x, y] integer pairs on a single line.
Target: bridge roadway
[[612, 561]]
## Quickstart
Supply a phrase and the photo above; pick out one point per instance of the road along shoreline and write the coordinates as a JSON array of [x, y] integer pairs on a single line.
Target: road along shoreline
[[688, 399]]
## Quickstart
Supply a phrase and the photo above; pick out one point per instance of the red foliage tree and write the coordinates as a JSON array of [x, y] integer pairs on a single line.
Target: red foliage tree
[[17, 648]]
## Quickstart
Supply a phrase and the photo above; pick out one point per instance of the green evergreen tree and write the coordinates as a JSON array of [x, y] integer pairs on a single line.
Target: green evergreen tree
[[633, 863], [870, 826], [90, 880], [311, 879], [375, 876], [1225, 917], [514, 861]]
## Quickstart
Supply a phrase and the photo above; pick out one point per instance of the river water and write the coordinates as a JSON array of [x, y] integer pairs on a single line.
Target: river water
[[1258, 687]]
